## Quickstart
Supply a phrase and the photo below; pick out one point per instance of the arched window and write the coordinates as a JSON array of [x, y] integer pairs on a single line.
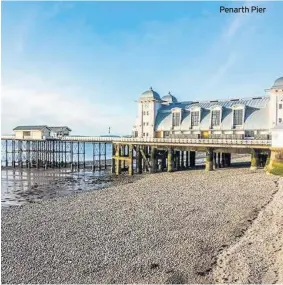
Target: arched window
[[238, 115], [216, 116], [176, 117], [195, 114]]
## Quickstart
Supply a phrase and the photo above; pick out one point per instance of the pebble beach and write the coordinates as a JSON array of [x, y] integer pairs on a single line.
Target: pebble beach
[[173, 228]]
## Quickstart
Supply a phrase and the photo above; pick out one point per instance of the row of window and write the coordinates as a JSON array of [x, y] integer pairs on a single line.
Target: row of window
[[146, 112], [215, 118], [145, 134], [145, 123]]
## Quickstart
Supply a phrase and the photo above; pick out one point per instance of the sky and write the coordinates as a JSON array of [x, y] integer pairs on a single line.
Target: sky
[[85, 64]]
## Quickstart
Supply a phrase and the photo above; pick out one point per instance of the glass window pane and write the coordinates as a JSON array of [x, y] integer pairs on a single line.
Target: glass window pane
[[215, 118], [195, 118], [238, 117]]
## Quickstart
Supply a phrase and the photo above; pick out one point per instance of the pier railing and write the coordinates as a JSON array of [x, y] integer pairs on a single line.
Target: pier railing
[[157, 140], [172, 140]]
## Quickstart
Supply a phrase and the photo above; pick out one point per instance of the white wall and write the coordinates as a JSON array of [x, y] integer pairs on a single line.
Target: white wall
[[276, 98], [277, 138], [152, 108], [34, 134]]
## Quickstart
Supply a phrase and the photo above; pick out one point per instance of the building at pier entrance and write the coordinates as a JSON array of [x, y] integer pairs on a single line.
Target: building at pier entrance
[[40, 132], [254, 118]]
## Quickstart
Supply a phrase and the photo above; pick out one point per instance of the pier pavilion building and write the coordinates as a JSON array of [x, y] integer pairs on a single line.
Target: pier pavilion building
[[253, 118]]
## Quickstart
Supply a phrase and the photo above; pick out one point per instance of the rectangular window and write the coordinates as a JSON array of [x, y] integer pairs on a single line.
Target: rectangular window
[[215, 118], [143, 134], [176, 119], [147, 112], [147, 123], [238, 117], [26, 133], [195, 118], [280, 106], [280, 120]]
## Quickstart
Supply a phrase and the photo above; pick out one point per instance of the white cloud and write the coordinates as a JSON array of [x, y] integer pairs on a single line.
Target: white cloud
[[33, 106]]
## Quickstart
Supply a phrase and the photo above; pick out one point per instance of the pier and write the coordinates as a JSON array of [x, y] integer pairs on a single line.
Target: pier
[[135, 155]]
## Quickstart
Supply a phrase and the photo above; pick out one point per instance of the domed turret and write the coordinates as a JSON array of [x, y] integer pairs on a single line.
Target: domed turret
[[278, 84], [169, 98], [150, 94]]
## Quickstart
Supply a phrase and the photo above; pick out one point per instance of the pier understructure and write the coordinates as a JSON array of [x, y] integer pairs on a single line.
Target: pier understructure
[[139, 158], [133, 155]]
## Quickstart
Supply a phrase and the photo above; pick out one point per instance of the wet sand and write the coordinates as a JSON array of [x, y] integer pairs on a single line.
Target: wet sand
[[164, 228], [23, 186]]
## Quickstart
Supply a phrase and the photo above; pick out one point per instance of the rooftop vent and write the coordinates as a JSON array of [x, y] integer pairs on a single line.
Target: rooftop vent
[[195, 102], [214, 101], [257, 98], [235, 100]]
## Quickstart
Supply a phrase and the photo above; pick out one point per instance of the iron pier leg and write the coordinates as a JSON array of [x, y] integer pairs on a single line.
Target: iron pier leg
[[78, 153], [113, 167], [71, 154], [13, 154], [219, 160], [99, 156], [209, 160], [170, 160], [118, 162], [84, 153], [105, 159], [255, 163], [153, 160], [93, 157], [192, 158], [20, 153], [182, 160], [130, 151], [6, 152], [223, 159], [138, 160], [214, 160]]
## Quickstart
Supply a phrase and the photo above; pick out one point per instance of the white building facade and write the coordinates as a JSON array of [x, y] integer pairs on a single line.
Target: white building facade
[[250, 118]]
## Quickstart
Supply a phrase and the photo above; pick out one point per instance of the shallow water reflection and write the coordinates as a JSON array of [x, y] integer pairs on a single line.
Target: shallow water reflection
[[21, 186]]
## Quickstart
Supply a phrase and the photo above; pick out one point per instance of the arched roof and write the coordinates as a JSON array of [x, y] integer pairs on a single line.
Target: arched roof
[[278, 84], [170, 98], [150, 94]]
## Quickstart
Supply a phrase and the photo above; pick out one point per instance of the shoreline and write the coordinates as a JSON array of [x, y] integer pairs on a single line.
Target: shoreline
[[34, 186], [164, 228], [21, 186], [257, 257]]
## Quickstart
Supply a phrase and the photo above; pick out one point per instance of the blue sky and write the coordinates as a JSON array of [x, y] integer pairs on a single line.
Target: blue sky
[[83, 64]]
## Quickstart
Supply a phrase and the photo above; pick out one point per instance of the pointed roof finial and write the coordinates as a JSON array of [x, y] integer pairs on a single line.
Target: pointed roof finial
[[150, 88]]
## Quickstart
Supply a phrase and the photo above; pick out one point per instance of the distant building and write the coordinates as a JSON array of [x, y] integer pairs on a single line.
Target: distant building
[[31, 132], [58, 132], [40, 132], [235, 118]]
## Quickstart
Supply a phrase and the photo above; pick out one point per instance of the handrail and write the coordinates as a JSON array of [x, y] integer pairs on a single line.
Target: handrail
[[156, 140]]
